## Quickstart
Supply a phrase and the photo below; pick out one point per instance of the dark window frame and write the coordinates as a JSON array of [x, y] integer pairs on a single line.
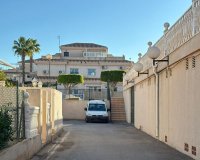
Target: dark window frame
[[66, 54]]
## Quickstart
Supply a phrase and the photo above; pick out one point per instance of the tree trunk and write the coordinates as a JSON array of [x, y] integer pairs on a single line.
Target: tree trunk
[[69, 90], [112, 87], [23, 69], [108, 91], [31, 63]]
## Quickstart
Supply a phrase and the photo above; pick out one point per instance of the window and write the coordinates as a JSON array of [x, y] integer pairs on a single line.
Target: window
[[60, 72], [29, 76], [196, 4], [45, 72], [74, 71], [78, 93], [91, 72], [75, 91], [97, 107], [66, 54], [104, 67]]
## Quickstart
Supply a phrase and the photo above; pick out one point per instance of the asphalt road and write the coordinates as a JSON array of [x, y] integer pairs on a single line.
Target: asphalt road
[[100, 141]]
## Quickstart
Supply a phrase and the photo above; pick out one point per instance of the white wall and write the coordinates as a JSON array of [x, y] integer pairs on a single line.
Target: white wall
[[83, 68]]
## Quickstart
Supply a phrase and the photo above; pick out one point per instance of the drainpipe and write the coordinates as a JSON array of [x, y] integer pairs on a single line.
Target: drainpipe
[[157, 100]]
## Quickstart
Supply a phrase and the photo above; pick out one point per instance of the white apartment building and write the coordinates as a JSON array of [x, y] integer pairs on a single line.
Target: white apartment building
[[87, 59]]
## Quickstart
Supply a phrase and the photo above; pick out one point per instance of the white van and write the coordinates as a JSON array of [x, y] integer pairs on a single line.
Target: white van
[[96, 110]]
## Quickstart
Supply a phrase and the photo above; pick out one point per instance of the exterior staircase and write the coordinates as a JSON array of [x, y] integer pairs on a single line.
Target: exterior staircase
[[118, 110]]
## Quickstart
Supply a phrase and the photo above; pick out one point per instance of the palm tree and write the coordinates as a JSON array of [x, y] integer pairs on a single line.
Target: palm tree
[[35, 47], [22, 48]]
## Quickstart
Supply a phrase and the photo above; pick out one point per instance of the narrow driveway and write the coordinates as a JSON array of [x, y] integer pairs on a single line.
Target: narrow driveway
[[100, 141]]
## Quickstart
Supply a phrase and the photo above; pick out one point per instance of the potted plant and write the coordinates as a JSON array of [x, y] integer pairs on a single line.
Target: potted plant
[[2, 78]]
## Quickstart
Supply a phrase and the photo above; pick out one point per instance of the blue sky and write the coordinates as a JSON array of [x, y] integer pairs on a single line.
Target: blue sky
[[124, 26]]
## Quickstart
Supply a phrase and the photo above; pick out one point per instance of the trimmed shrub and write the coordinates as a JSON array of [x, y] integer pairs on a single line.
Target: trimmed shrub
[[69, 80], [112, 76]]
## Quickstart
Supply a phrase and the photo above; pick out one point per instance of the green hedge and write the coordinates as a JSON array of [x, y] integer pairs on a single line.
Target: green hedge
[[2, 76], [112, 76], [10, 83], [70, 79], [6, 130]]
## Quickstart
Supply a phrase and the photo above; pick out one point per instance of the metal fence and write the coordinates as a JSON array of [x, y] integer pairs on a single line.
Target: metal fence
[[90, 94], [12, 99], [85, 94]]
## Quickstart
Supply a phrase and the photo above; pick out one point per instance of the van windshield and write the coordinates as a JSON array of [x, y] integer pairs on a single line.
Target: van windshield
[[97, 107]]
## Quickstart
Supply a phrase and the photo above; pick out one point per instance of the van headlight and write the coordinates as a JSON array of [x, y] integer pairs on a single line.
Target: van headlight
[[89, 115], [105, 115]]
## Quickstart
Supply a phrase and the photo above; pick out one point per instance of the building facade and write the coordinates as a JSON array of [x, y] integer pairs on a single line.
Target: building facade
[[165, 102], [87, 59]]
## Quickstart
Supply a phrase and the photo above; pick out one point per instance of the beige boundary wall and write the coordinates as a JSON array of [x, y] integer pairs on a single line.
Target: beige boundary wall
[[43, 122], [74, 109], [50, 104], [23, 150], [179, 97], [26, 149]]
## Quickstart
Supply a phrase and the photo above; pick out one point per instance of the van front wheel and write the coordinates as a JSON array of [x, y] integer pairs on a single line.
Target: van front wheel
[[86, 120]]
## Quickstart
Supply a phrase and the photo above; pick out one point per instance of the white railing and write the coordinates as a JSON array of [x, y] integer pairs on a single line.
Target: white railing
[[178, 34], [182, 31], [94, 54], [196, 15]]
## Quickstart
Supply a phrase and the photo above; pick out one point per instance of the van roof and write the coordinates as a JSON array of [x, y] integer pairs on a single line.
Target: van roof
[[96, 101]]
